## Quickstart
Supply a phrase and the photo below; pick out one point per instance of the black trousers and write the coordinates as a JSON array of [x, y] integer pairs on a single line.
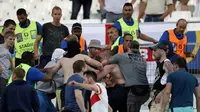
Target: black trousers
[[76, 6]]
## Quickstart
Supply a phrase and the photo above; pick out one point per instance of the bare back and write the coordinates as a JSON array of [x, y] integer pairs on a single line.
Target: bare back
[[67, 64]]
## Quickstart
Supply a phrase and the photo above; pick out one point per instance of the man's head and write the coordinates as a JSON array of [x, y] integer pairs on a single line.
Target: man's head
[[9, 39], [127, 39], [72, 37], [22, 16], [112, 33], [18, 74], [133, 47], [108, 80], [127, 10], [77, 30], [73, 48], [180, 63], [160, 50], [56, 14], [181, 25], [94, 47], [9, 25], [28, 58], [79, 66], [89, 77], [105, 54]]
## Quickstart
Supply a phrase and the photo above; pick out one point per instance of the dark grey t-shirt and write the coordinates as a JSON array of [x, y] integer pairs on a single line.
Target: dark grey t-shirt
[[52, 37], [133, 68]]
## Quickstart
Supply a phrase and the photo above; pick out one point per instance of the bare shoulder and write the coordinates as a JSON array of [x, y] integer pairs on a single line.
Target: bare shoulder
[[168, 66]]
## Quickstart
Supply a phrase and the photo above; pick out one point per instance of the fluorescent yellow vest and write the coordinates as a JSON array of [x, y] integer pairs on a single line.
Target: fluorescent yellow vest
[[23, 66], [25, 38], [116, 43], [1, 29], [133, 30]]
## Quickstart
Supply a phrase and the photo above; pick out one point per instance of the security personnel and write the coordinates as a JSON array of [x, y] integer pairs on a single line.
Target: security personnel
[[123, 47], [26, 32], [76, 30], [32, 74], [129, 25], [114, 38], [178, 39]]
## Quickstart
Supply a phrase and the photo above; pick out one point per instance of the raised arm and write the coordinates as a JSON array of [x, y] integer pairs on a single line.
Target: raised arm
[[93, 62], [85, 86]]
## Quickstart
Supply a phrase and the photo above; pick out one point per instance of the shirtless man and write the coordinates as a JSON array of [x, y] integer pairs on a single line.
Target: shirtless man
[[73, 54], [112, 69]]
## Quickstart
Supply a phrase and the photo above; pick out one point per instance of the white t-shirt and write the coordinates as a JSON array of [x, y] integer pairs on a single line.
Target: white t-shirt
[[99, 100]]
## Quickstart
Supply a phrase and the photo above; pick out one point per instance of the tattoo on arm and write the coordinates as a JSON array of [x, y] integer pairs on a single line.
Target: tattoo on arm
[[168, 67]]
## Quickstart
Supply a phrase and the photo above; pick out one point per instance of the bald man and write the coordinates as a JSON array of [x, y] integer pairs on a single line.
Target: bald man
[[73, 54], [178, 40], [112, 69]]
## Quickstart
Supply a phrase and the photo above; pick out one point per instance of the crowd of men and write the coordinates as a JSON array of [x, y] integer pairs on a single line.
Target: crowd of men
[[88, 78]]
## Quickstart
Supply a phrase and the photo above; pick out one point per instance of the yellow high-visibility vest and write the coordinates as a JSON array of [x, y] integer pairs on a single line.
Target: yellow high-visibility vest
[[25, 67], [25, 38], [133, 30]]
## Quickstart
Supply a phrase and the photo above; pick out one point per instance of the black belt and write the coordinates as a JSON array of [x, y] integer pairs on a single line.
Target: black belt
[[154, 15]]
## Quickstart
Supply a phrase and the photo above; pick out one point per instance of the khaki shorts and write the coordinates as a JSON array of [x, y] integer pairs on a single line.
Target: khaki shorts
[[157, 107]]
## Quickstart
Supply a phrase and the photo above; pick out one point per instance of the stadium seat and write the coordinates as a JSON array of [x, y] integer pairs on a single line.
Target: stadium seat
[[90, 21], [176, 15], [194, 19]]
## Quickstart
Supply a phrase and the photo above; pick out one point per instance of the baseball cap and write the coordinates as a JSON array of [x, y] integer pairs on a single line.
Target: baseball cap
[[95, 43], [76, 25], [161, 45]]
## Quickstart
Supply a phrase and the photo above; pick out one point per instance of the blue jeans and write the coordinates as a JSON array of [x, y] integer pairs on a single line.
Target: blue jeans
[[45, 103], [150, 18]]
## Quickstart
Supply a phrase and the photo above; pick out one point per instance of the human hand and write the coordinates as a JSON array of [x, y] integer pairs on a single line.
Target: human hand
[[158, 98], [73, 83], [1, 69], [36, 56]]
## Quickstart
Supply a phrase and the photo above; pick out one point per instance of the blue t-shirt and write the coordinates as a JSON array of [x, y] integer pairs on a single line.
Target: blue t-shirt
[[183, 87], [34, 75], [70, 100], [64, 45], [129, 23]]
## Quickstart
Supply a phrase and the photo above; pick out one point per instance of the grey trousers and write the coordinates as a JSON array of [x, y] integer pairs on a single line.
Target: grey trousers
[[112, 17], [134, 102]]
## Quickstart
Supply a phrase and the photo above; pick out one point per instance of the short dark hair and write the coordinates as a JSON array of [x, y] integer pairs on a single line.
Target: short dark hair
[[181, 20], [181, 62], [91, 74], [27, 56], [21, 11], [127, 4], [9, 22], [127, 34], [56, 8], [20, 73], [8, 34], [78, 66]]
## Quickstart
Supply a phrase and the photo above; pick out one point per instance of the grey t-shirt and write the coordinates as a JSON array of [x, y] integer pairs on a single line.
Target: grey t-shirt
[[57, 80], [5, 61], [133, 68]]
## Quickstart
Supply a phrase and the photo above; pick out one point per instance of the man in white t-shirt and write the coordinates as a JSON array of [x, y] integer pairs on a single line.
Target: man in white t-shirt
[[99, 97]]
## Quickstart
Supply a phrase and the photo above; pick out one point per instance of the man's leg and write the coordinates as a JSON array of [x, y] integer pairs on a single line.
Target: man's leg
[[86, 9], [76, 5], [134, 102], [3, 83]]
